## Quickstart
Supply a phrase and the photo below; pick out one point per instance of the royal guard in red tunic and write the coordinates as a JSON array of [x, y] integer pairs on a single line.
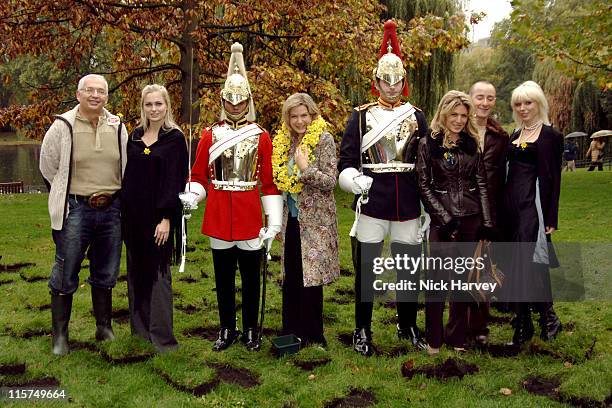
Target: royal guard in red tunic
[[377, 162], [233, 164]]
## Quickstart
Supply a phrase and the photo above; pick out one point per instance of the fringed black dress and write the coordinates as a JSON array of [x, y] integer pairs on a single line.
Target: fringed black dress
[[154, 176]]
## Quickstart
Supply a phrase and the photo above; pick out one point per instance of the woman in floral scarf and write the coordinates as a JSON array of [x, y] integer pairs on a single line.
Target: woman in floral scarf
[[304, 169]]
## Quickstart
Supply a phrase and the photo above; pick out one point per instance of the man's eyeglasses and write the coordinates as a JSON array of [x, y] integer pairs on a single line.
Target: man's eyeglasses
[[93, 91]]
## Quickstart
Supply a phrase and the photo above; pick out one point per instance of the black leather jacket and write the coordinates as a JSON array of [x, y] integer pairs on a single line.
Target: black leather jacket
[[454, 187]]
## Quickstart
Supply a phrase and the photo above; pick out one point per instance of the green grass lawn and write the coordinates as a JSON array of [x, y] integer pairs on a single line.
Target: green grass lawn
[[127, 372]]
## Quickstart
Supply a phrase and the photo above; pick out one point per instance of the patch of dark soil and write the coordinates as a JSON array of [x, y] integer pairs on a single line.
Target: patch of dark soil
[[15, 267], [448, 369], [82, 345], [330, 319], [203, 274], [346, 339], [500, 350], [499, 320], [32, 382], [345, 272], [29, 333], [189, 309], [275, 258], [391, 320], [589, 352], [537, 349], [357, 397], [234, 375], [309, 365], [122, 278], [345, 292], [389, 304], [190, 248], [340, 301], [289, 405], [208, 333], [40, 308], [188, 279], [549, 387], [198, 390], [583, 402], [31, 279], [127, 359], [6, 282], [397, 351], [12, 369]]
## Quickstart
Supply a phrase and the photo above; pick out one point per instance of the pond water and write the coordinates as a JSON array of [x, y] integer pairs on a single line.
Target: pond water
[[20, 163]]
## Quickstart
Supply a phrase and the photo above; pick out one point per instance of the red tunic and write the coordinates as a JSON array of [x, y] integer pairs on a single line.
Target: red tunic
[[233, 215]]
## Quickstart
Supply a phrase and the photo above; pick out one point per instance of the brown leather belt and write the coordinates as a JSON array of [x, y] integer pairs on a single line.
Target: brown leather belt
[[97, 201]]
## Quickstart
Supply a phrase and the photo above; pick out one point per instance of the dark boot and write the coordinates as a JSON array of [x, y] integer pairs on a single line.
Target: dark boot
[[250, 339], [523, 326], [102, 301], [61, 307], [362, 341], [226, 338], [549, 321], [413, 335]]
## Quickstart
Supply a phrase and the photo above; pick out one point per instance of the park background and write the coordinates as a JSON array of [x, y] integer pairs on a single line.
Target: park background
[[328, 49]]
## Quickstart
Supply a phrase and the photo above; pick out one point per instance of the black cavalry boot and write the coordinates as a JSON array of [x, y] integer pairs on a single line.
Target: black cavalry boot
[[226, 338], [362, 341], [250, 339], [61, 307], [102, 301], [523, 326], [549, 321], [413, 335]]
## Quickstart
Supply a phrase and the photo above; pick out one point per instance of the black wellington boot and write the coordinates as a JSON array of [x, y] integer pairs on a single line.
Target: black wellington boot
[[549, 321], [523, 326], [102, 301], [61, 307]]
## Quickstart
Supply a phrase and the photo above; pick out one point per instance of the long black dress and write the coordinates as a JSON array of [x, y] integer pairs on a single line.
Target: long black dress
[[154, 176], [531, 198]]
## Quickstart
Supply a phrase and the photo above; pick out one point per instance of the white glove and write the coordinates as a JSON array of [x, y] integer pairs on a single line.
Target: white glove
[[267, 235], [352, 181], [273, 208], [425, 220], [190, 200], [193, 194], [362, 184]]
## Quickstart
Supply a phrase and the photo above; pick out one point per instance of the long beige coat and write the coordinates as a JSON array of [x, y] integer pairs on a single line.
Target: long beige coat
[[317, 216]]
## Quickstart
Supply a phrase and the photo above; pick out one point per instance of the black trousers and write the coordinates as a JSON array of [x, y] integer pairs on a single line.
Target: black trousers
[[225, 262], [598, 164], [460, 307], [151, 308], [302, 306]]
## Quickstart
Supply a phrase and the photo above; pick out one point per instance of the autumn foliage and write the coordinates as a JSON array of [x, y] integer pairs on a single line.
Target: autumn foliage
[[325, 48]]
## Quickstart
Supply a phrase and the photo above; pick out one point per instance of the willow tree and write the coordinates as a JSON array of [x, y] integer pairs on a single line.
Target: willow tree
[[559, 89], [430, 81], [586, 108]]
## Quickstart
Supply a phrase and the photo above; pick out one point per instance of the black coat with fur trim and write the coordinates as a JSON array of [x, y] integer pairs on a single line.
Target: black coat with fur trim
[[454, 187]]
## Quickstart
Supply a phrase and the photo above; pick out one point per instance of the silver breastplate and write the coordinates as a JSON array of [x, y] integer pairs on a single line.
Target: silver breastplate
[[387, 154], [236, 168]]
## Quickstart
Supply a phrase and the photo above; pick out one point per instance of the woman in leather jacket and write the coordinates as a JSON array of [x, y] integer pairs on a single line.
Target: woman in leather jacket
[[452, 182]]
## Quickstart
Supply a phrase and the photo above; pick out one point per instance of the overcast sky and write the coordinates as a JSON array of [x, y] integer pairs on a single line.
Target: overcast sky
[[496, 10]]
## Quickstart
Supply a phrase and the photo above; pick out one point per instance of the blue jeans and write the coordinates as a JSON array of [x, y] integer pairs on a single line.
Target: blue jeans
[[91, 231]]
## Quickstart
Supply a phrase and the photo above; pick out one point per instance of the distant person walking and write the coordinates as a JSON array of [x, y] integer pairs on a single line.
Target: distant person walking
[[570, 152], [596, 151]]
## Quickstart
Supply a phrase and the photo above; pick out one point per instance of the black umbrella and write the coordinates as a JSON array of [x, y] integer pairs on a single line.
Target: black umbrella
[[575, 134]]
